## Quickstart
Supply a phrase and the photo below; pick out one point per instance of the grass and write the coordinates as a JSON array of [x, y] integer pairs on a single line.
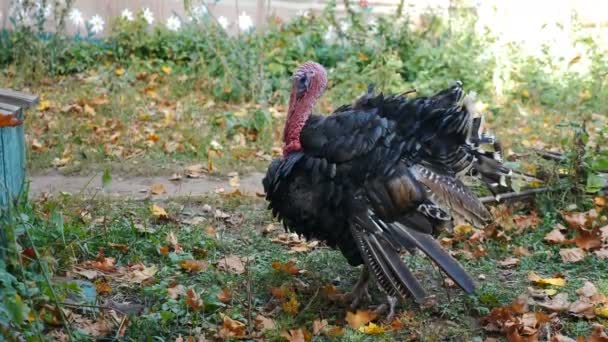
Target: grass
[[67, 241]]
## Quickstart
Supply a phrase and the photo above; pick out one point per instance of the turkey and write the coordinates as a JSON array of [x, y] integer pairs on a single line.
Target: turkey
[[449, 129], [353, 180]]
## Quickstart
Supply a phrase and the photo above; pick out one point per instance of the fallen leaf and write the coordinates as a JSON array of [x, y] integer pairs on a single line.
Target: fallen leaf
[[588, 239], [360, 318], [224, 296], [158, 212], [509, 262], [89, 274], [372, 329], [602, 312], [601, 253], [572, 254], [193, 300], [294, 335], [166, 69], [175, 177], [157, 189], [103, 288], [562, 338], [288, 267], [263, 323], [193, 266], [194, 171], [598, 334], [164, 250], [291, 306], [120, 246], [232, 328], [232, 263], [582, 308], [119, 71], [462, 229], [318, 326], [555, 236], [535, 278], [521, 251], [172, 240], [559, 303], [588, 290], [139, 273], [176, 291]]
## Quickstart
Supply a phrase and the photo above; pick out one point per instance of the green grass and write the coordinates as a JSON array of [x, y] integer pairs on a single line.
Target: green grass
[[64, 241]]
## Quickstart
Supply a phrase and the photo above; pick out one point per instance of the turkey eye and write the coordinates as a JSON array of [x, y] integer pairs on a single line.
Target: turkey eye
[[303, 83]]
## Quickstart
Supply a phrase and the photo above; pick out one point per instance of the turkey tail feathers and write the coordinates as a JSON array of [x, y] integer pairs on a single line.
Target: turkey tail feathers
[[451, 194], [433, 250], [383, 260]]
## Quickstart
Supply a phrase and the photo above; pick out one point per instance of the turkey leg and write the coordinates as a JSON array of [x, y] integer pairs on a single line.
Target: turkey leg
[[391, 303], [360, 290]]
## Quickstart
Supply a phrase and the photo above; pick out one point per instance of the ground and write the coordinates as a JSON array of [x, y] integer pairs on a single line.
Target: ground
[[135, 213]]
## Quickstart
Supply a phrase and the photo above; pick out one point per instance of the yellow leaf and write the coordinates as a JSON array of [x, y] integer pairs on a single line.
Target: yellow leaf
[[44, 105], [535, 278], [158, 211], [89, 110], [360, 318], [551, 292], [119, 71], [372, 329], [166, 69], [292, 306], [602, 312], [525, 93], [463, 229]]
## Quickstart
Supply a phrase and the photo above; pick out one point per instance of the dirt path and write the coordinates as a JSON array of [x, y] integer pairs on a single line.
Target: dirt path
[[138, 187]]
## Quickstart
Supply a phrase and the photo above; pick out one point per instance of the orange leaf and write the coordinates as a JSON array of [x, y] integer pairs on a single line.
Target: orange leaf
[[193, 265], [164, 250], [360, 318], [224, 296], [587, 240], [103, 288], [232, 328], [193, 300]]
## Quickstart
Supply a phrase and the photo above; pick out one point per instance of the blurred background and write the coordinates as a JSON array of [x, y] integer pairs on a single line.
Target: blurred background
[[205, 64]]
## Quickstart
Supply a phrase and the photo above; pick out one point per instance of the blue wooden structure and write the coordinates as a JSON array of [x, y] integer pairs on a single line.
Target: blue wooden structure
[[12, 153]]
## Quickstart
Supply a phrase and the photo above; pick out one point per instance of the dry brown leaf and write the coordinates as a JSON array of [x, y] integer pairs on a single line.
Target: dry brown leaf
[[193, 266], [588, 290], [588, 239], [288, 267], [232, 328], [172, 240], [157, 189], [294, 335], [232, 263], [224, 296], [555, 236], [318, 326], [562, 338], [194, 171], [176, 291], [572, 254], [360, 318], [582, 308], [263, 323], [509, 262], [598, 334], [139, 273], [120, 246], [89, 274], [193, 300], [521, 251], [601, 253], [559, 303]]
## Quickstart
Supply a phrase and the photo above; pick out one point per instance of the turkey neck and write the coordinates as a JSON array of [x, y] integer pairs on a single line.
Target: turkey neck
[[298, 113]]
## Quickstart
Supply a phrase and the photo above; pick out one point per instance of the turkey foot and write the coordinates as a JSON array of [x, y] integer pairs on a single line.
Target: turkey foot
[[391, 303], [360, 290]]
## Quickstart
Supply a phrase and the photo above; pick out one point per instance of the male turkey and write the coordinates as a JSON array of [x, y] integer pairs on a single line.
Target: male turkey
[[449, 130], [351, 179]]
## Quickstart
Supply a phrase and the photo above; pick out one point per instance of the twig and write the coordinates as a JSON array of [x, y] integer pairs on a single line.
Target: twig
[[312, 299], [103, 307], [515, 196], [550, 155]]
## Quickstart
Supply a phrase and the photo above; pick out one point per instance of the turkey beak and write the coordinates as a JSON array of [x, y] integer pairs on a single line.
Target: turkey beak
[[302, 86]]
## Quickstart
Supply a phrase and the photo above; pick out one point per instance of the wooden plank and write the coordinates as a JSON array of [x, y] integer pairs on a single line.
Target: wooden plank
[[17, 98]]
